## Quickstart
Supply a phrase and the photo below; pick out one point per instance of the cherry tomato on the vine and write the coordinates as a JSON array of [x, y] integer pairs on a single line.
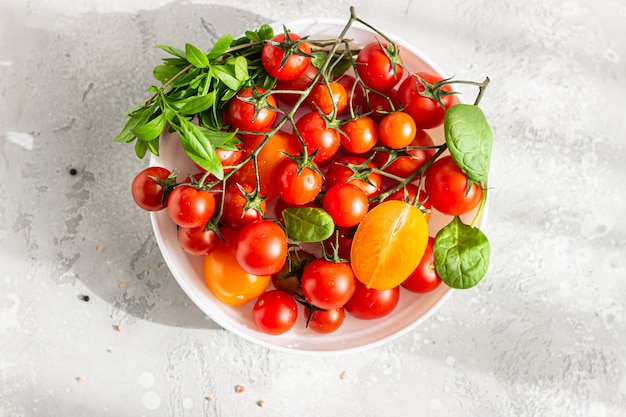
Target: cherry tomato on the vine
[[243, 114], [359, 135], [369, 303], [408, 161], [355, 92], [378, 106], [148, 193], [297, 85], [226, 280], [379, 68], [275, 312], [396, 130], [190, 207], [238, 210], [327, 284], [262, 247], [338, 172], [347, 204], [447, 188], [426, 112], [277, 148], [297, 61], [325, 321], [425, 278], [197, 241], [298, 185], [318, 137], [328, 98]]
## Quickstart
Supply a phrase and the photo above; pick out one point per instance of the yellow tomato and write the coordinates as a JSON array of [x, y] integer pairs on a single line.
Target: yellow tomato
[[226, 279], [388, 244]]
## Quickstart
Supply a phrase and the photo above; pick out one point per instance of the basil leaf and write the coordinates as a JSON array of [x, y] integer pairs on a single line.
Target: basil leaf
[[172, 50], [461, 254], [195, 56], [227, 75], [165, 72], [199, 148], [141, 147], [265, 32], [469, 139], [308, 224], [220, 46], [150, 130], [198, 104]]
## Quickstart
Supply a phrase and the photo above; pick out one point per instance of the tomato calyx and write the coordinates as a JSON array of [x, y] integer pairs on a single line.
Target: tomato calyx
[[309, 307], [289, 47], [393, 53], [303, 160], [168, 184], [254, 200], [260, 101], [435, 90], [334, 255], [361, 171]]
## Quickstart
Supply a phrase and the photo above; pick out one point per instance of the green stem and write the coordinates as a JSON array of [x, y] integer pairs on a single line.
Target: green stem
[[479, 212]]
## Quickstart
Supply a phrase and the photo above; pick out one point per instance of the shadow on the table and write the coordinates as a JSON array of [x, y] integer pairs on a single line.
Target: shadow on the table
[[95, 66]]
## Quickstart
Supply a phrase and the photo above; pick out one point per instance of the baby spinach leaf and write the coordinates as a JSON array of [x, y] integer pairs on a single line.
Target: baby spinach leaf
[[469, 139], [308, 224], [461, 254]]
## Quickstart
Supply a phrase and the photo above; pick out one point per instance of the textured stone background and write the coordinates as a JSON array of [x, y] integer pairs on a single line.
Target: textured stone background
[[543, 335]]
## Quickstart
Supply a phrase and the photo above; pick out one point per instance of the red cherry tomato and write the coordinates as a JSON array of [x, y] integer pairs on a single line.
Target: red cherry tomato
[[148, 193], [261, 247], [359, 135], [338, 173], [297, 187], [370, 303], [274, 62], [355, 92], [236, 210], [275, 312], [347, 204], [328, 98], [447, 188], [190, 207], [424, 279], [376, 69], [325, 321], [426, 112], [197, 241], [318, 137], [410, 160], [327, 285], [396, 130], [245, 116], [297, 85]]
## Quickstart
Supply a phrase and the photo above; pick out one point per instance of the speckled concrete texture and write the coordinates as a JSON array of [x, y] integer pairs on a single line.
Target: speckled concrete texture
[[543, 335]]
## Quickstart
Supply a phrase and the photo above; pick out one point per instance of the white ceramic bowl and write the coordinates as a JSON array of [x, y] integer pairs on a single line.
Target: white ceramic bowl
[[354, 334]]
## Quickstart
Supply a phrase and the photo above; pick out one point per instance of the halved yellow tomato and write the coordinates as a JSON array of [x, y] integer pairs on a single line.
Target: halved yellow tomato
[[388, 244]]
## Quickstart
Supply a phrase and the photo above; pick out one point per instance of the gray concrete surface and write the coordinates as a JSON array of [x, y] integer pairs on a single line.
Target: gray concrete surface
[[543, 335]]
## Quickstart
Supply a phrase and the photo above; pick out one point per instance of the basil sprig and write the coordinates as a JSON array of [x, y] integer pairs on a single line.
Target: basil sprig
[[198, 85]]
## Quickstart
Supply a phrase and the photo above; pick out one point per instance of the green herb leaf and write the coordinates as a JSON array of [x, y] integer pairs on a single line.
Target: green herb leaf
[[141, 147], [199, 148], [195, 56], [220, 46], [308, 224], [228, 74], [152, 129], [469, 139], [172, 50], [461, 254], [265, 32], [198, 104]]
